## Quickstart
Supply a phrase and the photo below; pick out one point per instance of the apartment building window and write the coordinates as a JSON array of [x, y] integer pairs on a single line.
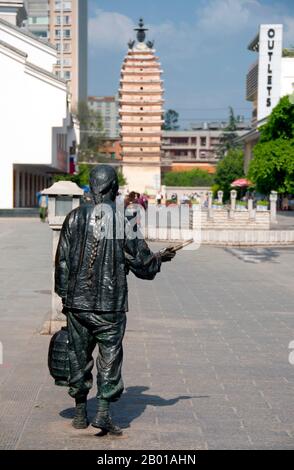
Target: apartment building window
[[67, 75], [66, 33], [67, 47], [203, 141], [67, 62], [58, 33], [59, 5], [41, 34], [38, 20], [66, 20], [179, 140]]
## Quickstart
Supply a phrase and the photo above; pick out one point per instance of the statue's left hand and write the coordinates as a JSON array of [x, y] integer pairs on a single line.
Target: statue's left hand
[[167, 255]]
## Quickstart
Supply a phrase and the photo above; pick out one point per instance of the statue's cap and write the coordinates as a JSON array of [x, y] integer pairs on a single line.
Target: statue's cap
[[101, 178]]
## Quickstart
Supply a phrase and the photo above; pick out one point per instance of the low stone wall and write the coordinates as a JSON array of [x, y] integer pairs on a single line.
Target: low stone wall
[[247, 237], [225, 219], [227, 237]]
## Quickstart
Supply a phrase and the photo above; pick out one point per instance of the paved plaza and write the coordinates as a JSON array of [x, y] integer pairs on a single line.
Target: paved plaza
[[206, 352]]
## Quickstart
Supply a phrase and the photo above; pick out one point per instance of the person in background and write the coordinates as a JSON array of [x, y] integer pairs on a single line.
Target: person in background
[[285, 203], [159, 198], [43, 206]]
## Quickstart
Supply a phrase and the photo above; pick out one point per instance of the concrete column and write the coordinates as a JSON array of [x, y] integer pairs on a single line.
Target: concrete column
[[233, 202], [210, 211], [273, 206], [6, 189], [23, 189], [17, 188], [251, 210], [220, 196]]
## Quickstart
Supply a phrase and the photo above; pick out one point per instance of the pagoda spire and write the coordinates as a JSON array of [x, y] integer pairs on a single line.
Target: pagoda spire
[[141, 31]]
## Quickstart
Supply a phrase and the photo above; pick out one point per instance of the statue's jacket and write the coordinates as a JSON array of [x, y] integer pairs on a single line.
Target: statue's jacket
[[98, 247]]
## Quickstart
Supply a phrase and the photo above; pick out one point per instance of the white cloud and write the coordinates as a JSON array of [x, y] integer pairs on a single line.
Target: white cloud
[[110, 30], [289, 31], [213, 21], [225, 16]]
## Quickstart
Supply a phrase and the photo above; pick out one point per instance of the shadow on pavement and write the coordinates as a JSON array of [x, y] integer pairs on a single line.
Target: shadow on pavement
[[131, 405]]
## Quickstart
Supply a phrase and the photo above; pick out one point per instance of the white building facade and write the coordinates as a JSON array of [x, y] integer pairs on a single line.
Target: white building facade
[[36, 129], [269, 78]]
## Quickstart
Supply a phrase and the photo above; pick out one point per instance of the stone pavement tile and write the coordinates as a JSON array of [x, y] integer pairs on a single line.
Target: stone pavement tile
[[211, 327]]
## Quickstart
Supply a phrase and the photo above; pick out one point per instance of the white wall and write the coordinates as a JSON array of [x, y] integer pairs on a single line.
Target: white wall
[[38, 54], [287, 84], [30, 106]]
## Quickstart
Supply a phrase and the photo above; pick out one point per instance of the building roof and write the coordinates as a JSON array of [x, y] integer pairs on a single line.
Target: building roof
[[254, 44], [45, 72], [24, 32], [109, 99], [13, 49]]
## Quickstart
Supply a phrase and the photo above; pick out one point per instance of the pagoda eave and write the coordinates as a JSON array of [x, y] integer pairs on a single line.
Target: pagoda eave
[[140, 134], [141, 113], [142, 123], [140, 144], [140, 103], [143, 93]]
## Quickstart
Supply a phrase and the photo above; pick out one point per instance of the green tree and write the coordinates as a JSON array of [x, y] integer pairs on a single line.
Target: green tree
[[272, 167], [280, 123], [229, 168], [229, 136], [192, 178], [93, 136], [83, 176], [171, 119]]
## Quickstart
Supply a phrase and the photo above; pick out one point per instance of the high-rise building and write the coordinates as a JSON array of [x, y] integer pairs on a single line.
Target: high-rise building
[[37, 131], [108, 107], [64, 24], [141, 100]]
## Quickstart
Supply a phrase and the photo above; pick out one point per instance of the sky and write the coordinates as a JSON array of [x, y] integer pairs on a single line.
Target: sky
[[202, 45]]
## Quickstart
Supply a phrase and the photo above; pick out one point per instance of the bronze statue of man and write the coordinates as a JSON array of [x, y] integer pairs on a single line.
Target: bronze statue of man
[[96, 251]]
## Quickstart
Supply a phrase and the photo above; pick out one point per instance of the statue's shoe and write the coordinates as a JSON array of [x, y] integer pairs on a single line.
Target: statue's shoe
[[106, 425], [80, 420]]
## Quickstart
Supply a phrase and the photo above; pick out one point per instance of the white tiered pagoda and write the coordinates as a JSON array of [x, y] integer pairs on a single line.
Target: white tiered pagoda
[[141, 115]]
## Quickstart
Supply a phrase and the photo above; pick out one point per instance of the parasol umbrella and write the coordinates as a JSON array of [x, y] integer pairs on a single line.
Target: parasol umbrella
[[241, 183]]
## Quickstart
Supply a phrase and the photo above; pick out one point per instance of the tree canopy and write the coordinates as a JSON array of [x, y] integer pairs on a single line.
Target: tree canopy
[[83, 176], [192, 178], [229, 136], [272, 167], [229, 168], [93, 136], [280, 123], [171, 119]]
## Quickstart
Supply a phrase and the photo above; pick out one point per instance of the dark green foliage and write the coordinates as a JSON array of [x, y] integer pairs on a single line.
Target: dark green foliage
[[229, 136], [192, 178], [92, 133], [280, 123], [171, 119], [230, 168], [272, 167], [82, 178]]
